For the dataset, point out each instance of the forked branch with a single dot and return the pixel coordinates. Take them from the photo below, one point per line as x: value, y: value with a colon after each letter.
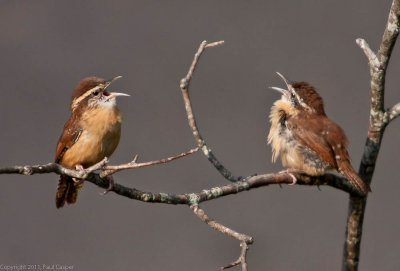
x: 378, y: 120
x: 244, y: 239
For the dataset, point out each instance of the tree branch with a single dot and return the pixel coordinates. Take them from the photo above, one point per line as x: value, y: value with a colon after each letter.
x: 378, y: 121
x: 185, y: 82
x: 243, y: 238
x: 393, y: 112
x: 252, y: 182
x: 54, y: 168
x: 107, y: 170
x: 372, y: 59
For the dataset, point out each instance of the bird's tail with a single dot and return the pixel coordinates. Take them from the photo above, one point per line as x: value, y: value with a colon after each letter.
x: 347, y: 170
x: 67, y: 191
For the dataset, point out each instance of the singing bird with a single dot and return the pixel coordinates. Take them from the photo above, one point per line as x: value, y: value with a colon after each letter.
x: 305, y: 138
x: 91, y: 133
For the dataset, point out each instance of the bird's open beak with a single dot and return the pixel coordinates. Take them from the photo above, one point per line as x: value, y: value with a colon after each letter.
x: 114, y: 94
x: 285, y: 92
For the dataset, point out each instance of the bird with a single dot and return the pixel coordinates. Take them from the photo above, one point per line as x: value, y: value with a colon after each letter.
x: 305, y: 138
x: 91, y: 133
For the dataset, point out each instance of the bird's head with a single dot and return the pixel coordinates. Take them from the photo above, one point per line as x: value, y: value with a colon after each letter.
x: 301, y: 96
x: 92, y: 92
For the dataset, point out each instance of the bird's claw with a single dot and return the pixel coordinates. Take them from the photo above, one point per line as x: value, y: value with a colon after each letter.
x: 110, y: 185
x: 77, y: 167
x: 289, y: 172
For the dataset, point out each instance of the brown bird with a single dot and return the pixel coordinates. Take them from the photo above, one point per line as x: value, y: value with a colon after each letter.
x: 305, y: 138
x: 91, y: 133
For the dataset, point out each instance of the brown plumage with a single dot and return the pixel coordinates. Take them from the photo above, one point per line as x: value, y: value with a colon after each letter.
x: 305, y: 138
x: 91, y: 133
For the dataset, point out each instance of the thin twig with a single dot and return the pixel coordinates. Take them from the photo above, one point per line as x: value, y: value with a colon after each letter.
x: 378, y: 121
x: 184, y: 85
x: 53, y: 168
x: 244, y: 239
x: 241, y: 259
x: 107, y: 170
x: 372, y: 59
x: 393, y: 112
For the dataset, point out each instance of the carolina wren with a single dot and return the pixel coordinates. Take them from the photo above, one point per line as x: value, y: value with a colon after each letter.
x: 91, y: 133
x: 306, y: 139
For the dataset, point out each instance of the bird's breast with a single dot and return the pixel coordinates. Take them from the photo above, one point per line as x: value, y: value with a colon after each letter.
x: 101, y: 131
x: 283, y: 141
x: 280, y: 137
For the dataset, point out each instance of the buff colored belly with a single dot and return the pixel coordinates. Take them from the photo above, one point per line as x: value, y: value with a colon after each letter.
x: 100, y: 137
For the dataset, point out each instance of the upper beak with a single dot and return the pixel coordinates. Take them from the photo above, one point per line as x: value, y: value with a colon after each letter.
x: 115, y: 94
x: 284, y: 79
x: 285, y: 92
x: 108, y: 82
x: 281, y: 90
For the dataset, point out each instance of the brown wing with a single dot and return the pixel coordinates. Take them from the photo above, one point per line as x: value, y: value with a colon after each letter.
x: 328, y: 140
x: 67, y: 190
x: 321, y: 135
x: 70, y: 135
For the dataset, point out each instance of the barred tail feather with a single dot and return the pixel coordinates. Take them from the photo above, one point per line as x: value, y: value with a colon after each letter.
x: 347, y: 170
x: 72, y: 194
x: 67, y: 191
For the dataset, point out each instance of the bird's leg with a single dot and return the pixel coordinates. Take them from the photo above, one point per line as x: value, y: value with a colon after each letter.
x: 290, y: 172
x: 110, y: 179
x: 78, y: 167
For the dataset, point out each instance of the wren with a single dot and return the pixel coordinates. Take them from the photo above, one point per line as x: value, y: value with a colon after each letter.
x: 92, y: 132
x: 305, y: 138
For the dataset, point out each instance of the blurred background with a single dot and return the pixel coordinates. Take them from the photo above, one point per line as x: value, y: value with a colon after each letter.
x: 48, y: 46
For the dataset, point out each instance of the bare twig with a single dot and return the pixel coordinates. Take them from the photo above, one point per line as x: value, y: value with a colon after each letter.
x: 241, y: 259
x: 244, y: 239
x: 53, y: 168
x: 379, y: 118
x: 393, y: 112
x: 372, y: 59
x: 185, y: 82
x: 107, y: 170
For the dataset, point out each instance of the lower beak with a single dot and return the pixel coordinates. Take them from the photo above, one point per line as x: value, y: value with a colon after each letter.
x: 115, y: 94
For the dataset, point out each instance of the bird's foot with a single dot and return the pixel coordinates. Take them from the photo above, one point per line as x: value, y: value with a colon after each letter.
x: 290, y: 172
x: 78, y: 167
x: 110, y: 184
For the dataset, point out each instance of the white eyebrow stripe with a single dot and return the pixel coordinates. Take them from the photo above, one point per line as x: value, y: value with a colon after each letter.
x: 76, y: 101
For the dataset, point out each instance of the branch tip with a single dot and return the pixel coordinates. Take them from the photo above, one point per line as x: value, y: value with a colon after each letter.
x: 372, y: 59
x: 216, y: 43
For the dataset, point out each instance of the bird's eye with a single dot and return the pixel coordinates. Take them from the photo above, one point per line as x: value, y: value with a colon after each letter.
x: 95, y: 93
x: 292, y: 95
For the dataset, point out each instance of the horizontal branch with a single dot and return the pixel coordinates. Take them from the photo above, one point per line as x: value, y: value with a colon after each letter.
x: 84, y: 173
x: 248, y: 183
x: 53, y: 168
x: 107, y: 170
